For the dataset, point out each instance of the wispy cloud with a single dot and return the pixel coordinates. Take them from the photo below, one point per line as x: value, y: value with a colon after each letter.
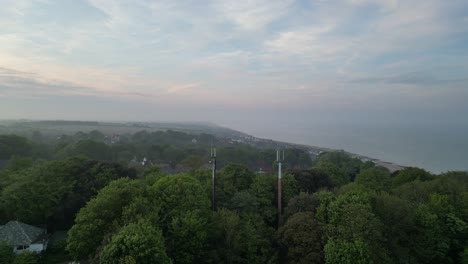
x: 19, y: 83
x: 412, y: 78
x: 260, y: 53
x: 183, y: 88
x: 254, y: 15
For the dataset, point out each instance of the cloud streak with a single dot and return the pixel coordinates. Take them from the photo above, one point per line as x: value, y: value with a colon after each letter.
x: 257, y: 54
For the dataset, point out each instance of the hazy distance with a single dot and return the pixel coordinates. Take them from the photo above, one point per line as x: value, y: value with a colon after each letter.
x: 345, y: 74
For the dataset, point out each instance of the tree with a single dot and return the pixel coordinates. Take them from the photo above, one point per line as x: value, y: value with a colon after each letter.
x: 399, y: 228
x: 324, y: 199
x: 442, y: 235
x: 374, y: 179
x: 14, y: 165
x: 241, y: 240
x: 227, y: 238
x: 91, y: 149
x: 352, y: 224
x: 96, y: 136
x: 53, y: 192
x: 35, y: 193
x: 136, y: 242
x: 186, y: 237
x: 302, y: 235
x: 338, y: 251
x: 14, y: 145
x: 303, y: 202
x: 257, y: 240
x: 346, y: 164
x: 193, y: 162
x: 26, y: 257
x: 263, y: 188
x: 337, y: 175
x: 312, y: 180
x: 410, y: 174
x: 289, y: 189
x: 6, y: 253
x: 177, y: 194
x: 17, y: 163
x: 243, y: 202
x: 231, y: 179
x: 101, y: 216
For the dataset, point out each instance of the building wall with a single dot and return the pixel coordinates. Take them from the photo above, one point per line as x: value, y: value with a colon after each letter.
x: 33, y: 248
x: 37, y: 247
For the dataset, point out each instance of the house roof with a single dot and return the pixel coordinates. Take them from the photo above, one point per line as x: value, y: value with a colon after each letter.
x: 17, y: 233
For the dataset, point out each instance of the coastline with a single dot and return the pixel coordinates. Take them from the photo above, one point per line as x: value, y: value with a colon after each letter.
x: 315, y: 151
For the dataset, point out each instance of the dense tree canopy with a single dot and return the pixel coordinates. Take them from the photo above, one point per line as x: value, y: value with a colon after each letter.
x: 140, y: 242
x: 302, y: 235
x: 337, y: 210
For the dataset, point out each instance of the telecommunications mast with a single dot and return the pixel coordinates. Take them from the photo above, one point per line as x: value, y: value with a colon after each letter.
x: 279, y: 159
x: 213, y: 178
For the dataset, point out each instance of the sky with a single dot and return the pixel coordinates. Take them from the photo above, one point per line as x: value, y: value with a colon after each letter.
x: 236, y: 63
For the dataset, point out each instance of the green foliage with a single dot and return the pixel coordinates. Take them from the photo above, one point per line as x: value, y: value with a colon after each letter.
x: 397, y: 216
x: 11, y: 145
x: 289, y: 188
x: 347, y: 212
x: 297, y: 158
x: 367, y: 165
x: 351, y: 219
x: 228, y: 238
x: 55, y: 253
x: 26, y: 257
x: 337, y: 175
x: 193, y: 162
x: 53, y: 192
x: 152, y: 174
x: 410, y: 174
x: 348, y: 167
x: 14, y: 165
x: 302, y: 235
x: 35, y: 193
x: 243, y: 202
x: 303, y: 202
x: 324, y: 199
x: 257, y: 240
x: 242, y: 240
x: 374, y: 179
x: 204, y: 177
x: 17, y: 163
x: 186, y: 237
x: 96, y: 136
x: 177, y: 194
x: 101, y: 216
x: 312, y: 180
x: 87, y: 148
x: 137, y: 242
x: 263, y: 188
x: 338, y: 251
x: 231, y: 179
x: 6, y: 253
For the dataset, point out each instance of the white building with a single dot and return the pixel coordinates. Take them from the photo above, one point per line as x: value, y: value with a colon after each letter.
x: 24, y: 237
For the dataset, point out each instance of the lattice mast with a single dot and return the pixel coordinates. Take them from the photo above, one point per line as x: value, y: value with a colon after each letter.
x: 213, y: 178
x: 279, y: 159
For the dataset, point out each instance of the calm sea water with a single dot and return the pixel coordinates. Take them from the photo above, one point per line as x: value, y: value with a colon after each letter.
x: 436, y: 148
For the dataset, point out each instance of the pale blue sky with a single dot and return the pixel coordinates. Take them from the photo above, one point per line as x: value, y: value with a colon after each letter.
x: 237, y: 63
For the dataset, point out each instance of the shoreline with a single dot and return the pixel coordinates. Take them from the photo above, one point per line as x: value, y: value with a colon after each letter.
x: 314, y: 150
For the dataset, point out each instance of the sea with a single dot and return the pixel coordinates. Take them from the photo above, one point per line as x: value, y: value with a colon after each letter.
x: 436, y: 148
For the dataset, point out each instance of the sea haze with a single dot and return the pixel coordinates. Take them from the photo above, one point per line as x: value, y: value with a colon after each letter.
x: 436, y: 148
